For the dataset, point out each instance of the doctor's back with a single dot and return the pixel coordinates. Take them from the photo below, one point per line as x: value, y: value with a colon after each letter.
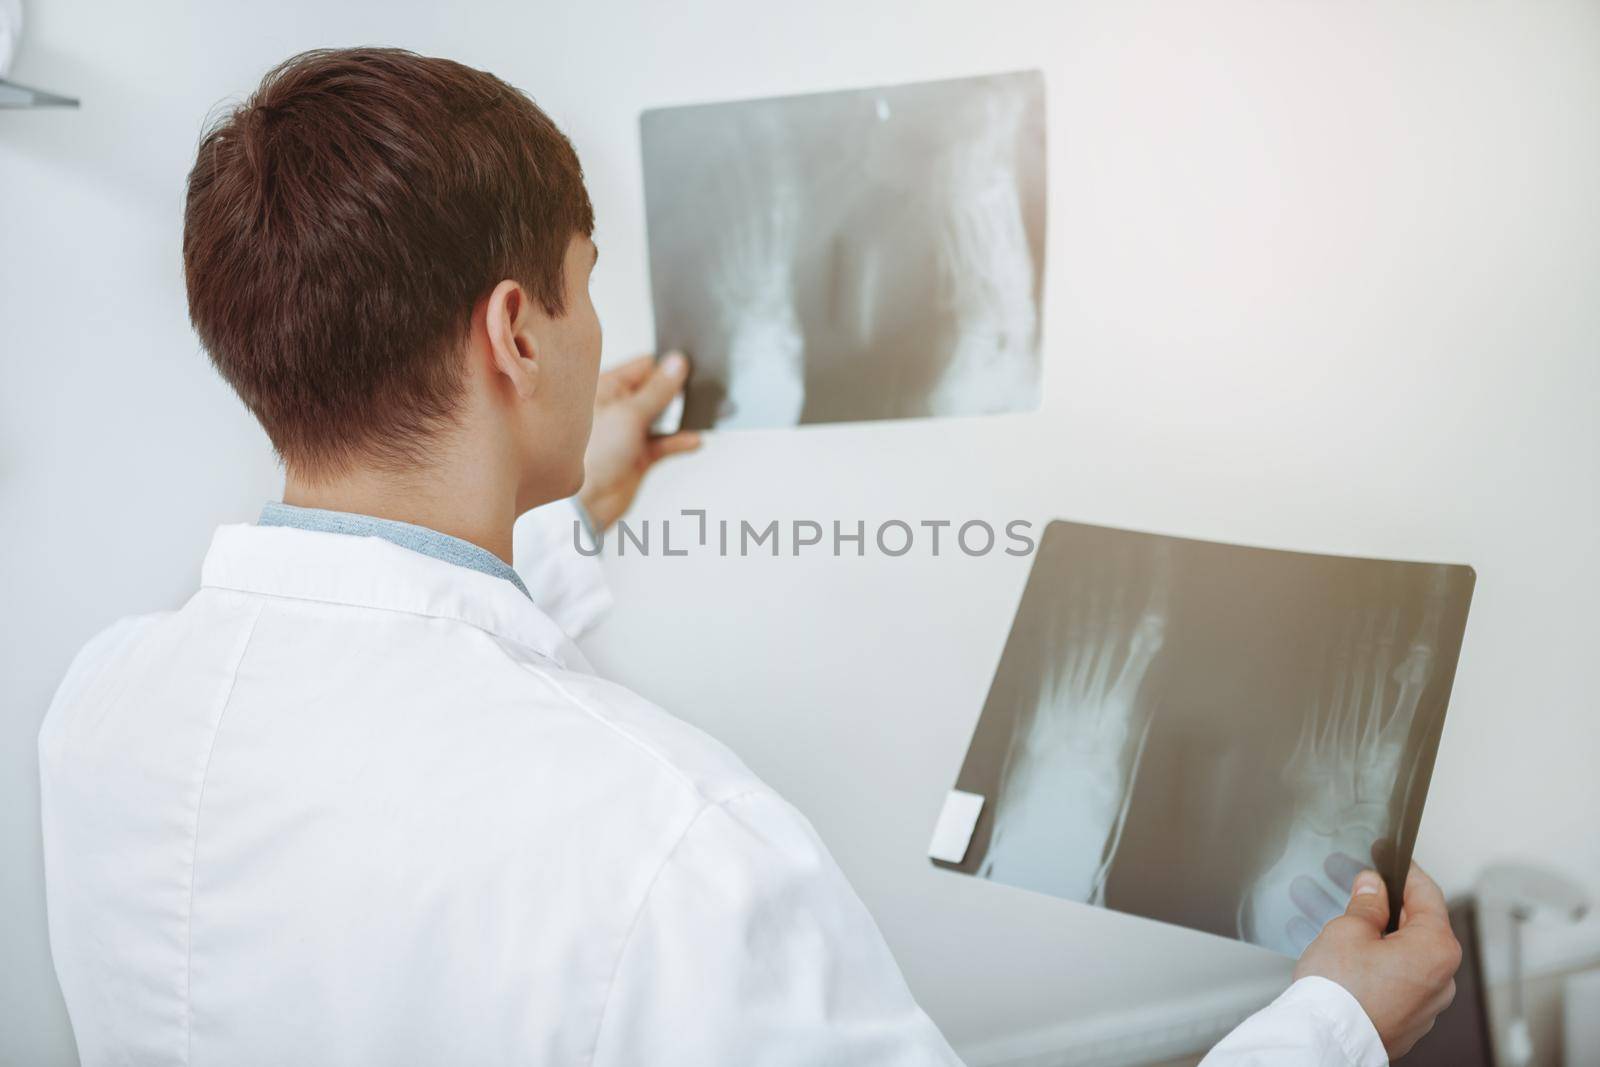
x: 360, y: 800
x: 353, y: 804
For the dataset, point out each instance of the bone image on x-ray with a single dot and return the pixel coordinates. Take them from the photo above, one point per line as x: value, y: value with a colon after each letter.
x: 1064, y: 786
x: 851, y: 255
x: 1208, y: 734
x: 752, y: 285
x: 986, y: 270
x: 1343, y: 771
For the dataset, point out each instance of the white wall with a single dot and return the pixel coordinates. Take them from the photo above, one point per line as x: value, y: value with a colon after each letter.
x: 1321, y: 276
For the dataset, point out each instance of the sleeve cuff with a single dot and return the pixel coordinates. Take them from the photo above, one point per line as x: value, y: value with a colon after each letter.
x: 1346, y: 1022
x: 563, y: 575
x: 587, y: 520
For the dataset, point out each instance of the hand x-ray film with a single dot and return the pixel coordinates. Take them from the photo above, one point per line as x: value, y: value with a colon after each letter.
x: 1210, y: 735
x: 866, y: 254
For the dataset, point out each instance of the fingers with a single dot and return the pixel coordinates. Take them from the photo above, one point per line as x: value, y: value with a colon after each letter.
x: 662, y: 385
x: 661, y: 447
x: 630, y: 375
x: 1424, y: 900
x: 1301, y: 933
x: 1313, y: 901
x: 1368, y: 901
x: 1444, y: 998
x: 1343, y: 869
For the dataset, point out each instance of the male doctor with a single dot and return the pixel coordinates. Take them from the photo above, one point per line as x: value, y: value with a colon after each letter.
x: 360, y: 800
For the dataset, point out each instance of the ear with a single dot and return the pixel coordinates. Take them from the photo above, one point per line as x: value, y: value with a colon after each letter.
x: 510, y: 315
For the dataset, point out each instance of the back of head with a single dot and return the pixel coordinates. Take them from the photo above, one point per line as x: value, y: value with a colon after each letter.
x: 339, y: 227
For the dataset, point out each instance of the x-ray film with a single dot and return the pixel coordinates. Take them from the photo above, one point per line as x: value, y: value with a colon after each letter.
x: 1206, y: 734
x: 866, y: 254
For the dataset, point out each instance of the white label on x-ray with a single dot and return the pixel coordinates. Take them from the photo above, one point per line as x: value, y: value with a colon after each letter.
x: 956, y: 823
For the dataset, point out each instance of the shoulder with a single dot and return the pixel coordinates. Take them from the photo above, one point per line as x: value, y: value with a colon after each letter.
x: 117, y: 636
x: 109, y: 646
x: 631, y: 728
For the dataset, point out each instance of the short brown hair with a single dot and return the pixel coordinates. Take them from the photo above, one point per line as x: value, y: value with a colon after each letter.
x: 341, y: 224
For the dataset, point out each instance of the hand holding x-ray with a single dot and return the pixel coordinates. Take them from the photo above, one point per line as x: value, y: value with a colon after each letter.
x: 1342, y: 775
x: 1402, y: 981
x: 628, y: 398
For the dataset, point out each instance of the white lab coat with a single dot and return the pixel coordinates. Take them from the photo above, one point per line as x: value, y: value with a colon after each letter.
x: 352, y: 804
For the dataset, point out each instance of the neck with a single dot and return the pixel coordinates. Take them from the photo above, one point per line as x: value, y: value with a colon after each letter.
x: 474, y: 502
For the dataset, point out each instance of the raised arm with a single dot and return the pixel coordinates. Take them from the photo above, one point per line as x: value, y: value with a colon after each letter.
x: 552, y: 544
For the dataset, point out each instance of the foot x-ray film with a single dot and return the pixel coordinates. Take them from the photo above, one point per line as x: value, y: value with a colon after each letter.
x: 866, y: 254
x: 1209, y: 735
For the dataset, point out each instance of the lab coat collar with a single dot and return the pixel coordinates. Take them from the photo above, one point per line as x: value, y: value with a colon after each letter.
x: 405, y: 534
x: 371, y: 572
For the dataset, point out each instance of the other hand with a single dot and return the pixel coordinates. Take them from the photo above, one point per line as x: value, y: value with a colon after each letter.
x: 1402, y: 981
x: 627, y: 400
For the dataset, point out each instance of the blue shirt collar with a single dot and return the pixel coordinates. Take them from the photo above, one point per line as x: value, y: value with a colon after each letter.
x: 405, y: 534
